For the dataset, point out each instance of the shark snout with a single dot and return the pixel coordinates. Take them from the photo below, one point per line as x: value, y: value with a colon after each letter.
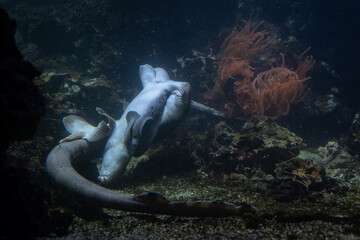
x: 104, y: 177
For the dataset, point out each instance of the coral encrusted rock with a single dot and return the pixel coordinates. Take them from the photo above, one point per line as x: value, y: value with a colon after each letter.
x: 261, y: 143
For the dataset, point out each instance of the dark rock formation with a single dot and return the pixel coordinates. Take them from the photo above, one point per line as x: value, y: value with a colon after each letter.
x: 21, y: 103
x: 294, y: 177
x: 261, y: 143
x: 24, y: 210
x: 353, y: 140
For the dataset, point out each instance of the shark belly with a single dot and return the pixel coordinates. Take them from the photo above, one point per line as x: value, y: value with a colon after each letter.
x: 122, y: 144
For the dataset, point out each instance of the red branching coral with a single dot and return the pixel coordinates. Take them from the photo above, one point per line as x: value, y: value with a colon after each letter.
x: 236, y: 52
x: 270, y: 93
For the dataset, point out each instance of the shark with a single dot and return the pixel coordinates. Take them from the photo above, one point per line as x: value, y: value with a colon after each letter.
x: 155, y: 111
x: 160, y: 105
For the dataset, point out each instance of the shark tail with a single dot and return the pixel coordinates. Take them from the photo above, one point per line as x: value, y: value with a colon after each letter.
x: 59, y: 167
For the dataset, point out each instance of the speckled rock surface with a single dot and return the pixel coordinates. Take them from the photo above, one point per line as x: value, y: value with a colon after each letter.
x: 261, y: 143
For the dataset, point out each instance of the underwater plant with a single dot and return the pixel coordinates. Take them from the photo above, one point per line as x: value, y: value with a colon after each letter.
x: 270, y: 93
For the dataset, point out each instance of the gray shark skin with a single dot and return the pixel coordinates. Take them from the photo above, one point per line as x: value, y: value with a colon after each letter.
x: 160, y: 105
x: 162, y: 102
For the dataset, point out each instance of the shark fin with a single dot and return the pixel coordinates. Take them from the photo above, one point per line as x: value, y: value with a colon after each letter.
x: 111, y: 122
x: 143, y: 133
x: 142, y: 127
x: 77, y: 126
x: 73, y: 137
x: 131, y: 118
x: 101, y: 131
x: 161, y: 75
x: 147, y: 74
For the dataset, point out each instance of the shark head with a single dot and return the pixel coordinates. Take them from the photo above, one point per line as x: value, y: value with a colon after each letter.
x: 114, y: 164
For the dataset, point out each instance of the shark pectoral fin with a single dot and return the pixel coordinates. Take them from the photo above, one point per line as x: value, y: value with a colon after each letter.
x: 101, y: 131
x: 75, y: 124
x: 131, y: 118
x: 142, y: 127
x: 80, y: 128
x: 141, y: 134
x: 73, y: 137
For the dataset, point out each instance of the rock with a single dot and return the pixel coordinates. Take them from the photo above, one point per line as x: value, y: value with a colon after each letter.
x: 326, y: 103
x: 261, y: 143
x: 316, y: 158
x: 96, y: 82
x: 25, y: 208
x: 343, y: 160
x: 295, y: 177
x: 353, y: 140
x: 21, y: 103
x: 53, y: 81
x: 329, y: 152
x: 300, y: 170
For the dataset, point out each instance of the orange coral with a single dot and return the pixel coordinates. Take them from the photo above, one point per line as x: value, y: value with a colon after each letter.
x: 271, y: 92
